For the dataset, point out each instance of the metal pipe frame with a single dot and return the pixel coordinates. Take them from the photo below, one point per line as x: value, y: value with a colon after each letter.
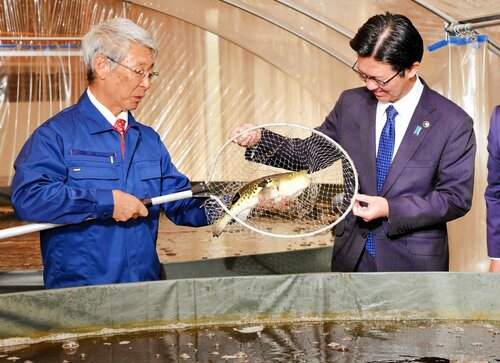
x: 42, y: 38
x: 468, y: 27
x: 492, y: 45
x: 261, y: 15
x: 317, y: 17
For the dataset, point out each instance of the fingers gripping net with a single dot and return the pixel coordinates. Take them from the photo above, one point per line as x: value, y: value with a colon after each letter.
x: 296, y: 182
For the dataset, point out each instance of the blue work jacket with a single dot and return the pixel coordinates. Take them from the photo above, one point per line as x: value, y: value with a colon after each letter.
x: 65, y: 174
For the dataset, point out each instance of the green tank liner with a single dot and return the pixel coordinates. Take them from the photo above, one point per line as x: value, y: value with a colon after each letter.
x: 277, y: 263
x: 33, y: 316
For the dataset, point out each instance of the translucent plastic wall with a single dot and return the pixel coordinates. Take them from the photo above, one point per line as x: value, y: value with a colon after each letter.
x: 41, y: 69
x: 225, y: 62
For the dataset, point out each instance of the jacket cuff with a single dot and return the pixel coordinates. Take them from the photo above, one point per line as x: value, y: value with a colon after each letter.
x: 105, y: 204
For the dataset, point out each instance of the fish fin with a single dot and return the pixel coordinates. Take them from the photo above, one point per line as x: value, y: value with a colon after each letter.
x: 220, y: 224
x: 236, y: 197
x: 244, y: 214
x: 226, y: 220
x: 263, y: 183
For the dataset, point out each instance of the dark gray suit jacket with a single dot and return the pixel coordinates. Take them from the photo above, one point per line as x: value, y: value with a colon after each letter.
x: 430, y: 181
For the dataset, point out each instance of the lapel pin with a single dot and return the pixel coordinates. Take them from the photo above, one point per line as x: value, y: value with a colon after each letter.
x: 426, y: 124
x: 417, y: 130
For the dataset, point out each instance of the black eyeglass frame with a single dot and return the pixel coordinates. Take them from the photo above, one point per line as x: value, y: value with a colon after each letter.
x: 365, y: 77
x: 143, y: 74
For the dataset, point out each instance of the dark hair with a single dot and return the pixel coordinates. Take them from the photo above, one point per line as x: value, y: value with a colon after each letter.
x: 389, y: 38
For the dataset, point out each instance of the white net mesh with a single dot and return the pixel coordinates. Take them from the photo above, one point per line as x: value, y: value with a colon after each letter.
x: 295, y: 182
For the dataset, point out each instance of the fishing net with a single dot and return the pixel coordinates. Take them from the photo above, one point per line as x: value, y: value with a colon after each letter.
x: 247, y: 192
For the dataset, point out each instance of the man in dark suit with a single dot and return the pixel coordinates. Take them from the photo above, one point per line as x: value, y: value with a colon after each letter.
x: 427, y: 150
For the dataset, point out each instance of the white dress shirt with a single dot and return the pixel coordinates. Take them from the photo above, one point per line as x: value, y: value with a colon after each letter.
x: 405, y: 107
x: 108, y: 115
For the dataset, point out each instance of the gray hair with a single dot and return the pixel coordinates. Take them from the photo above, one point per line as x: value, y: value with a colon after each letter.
x: 113, y: 38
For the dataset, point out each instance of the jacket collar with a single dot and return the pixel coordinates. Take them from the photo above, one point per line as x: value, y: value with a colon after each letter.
x: 94, y: 119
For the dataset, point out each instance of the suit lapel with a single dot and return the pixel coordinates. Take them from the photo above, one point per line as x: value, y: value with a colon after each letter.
x: 367, y: 121
x: 420, y: 125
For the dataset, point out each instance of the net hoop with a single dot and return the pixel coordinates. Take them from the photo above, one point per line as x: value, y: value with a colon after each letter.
x: 346, y: 157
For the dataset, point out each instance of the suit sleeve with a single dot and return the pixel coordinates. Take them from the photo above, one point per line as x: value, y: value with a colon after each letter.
x: 452, y: 183
x: 492, y: 194
x: 312, y: 153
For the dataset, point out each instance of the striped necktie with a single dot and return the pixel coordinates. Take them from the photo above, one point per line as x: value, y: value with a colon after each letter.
x: 384, y: 160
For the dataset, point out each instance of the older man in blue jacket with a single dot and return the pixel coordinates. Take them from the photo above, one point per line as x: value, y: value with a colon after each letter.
x: 94, y: 160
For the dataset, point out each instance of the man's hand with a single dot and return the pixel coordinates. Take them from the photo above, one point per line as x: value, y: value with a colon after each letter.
x: 494, y: 265
x: 274, y: 203
x: 370, y: 208
x: 127, y: 207
x: 249, y: 138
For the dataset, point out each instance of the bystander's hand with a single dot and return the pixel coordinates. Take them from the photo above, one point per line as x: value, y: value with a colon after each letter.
x: 249, y: 138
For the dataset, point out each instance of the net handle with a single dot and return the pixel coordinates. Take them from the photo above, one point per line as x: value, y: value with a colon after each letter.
x: 197, y: 190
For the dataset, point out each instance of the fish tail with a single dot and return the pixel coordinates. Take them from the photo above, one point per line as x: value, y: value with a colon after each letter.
x: 220, y: 224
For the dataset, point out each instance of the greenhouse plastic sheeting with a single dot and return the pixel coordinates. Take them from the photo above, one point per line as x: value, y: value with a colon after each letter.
x: 230, y: 300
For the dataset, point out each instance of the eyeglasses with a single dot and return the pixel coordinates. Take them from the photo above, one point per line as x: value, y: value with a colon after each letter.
x: 365, y: 77
x: 140, y: 74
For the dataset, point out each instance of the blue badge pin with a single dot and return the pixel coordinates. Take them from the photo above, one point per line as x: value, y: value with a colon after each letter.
x: 417, y: 130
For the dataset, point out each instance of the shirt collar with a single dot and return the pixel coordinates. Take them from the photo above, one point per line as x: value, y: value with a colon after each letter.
x: 406, y: 105
x: 108, y: 115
